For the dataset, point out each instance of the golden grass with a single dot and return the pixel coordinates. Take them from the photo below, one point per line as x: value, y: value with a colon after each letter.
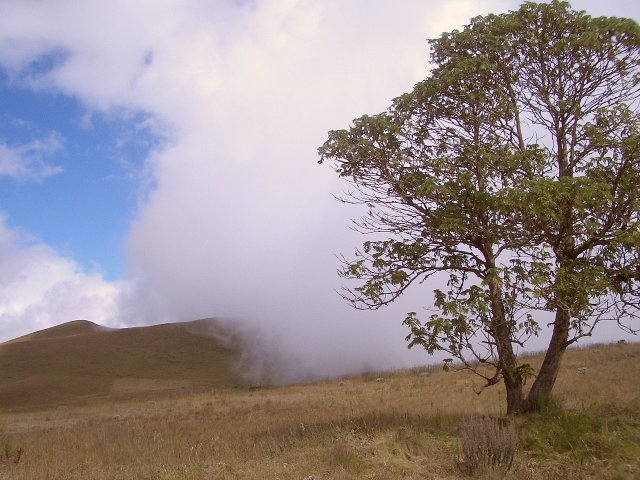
x: 403, y: 427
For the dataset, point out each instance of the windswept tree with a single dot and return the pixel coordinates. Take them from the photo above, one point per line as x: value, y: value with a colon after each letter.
x: 512, y: 175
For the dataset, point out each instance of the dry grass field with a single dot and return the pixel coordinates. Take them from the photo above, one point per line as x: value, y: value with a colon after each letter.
x: 406, y: 425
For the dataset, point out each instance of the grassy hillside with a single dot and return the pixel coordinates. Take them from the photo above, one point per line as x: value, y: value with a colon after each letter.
x: 80, y: 360
x: 407, y: 425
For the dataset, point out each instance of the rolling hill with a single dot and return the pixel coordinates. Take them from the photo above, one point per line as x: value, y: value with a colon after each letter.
x: 80, y: 360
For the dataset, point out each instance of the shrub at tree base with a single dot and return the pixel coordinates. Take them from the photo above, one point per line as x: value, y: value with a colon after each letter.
x: 486, y: 444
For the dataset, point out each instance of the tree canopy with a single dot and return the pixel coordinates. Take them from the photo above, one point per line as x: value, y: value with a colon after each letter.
x: 511, y: 173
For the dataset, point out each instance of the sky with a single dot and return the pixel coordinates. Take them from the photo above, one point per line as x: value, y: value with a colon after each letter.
x: 158, y: 163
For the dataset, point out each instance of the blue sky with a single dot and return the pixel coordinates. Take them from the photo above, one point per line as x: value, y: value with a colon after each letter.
x: 83, y: 184
x: 158, y: 160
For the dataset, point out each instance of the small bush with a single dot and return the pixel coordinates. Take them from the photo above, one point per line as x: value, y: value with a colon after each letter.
x: 487, y: 444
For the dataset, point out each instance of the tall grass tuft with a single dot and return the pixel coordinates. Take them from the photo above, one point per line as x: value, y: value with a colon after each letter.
x: 487, y: 444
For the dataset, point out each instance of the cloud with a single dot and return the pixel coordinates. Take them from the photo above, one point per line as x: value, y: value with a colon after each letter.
x: 239, y: 221
x: 242, y: 224
x: 39, y: 288
x: 28, y: 161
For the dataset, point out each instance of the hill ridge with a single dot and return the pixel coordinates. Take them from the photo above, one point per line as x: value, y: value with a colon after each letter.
x: 73, y: 327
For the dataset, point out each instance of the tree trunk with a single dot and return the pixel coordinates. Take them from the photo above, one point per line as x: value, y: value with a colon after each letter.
x: 508, y: 361
x: 540, y: 392
x: 515, y: 395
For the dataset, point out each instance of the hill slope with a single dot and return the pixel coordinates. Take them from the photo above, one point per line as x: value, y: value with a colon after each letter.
x: 79, y: 360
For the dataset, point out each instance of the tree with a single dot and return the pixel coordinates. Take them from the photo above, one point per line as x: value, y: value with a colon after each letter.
x: 511, y: 173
